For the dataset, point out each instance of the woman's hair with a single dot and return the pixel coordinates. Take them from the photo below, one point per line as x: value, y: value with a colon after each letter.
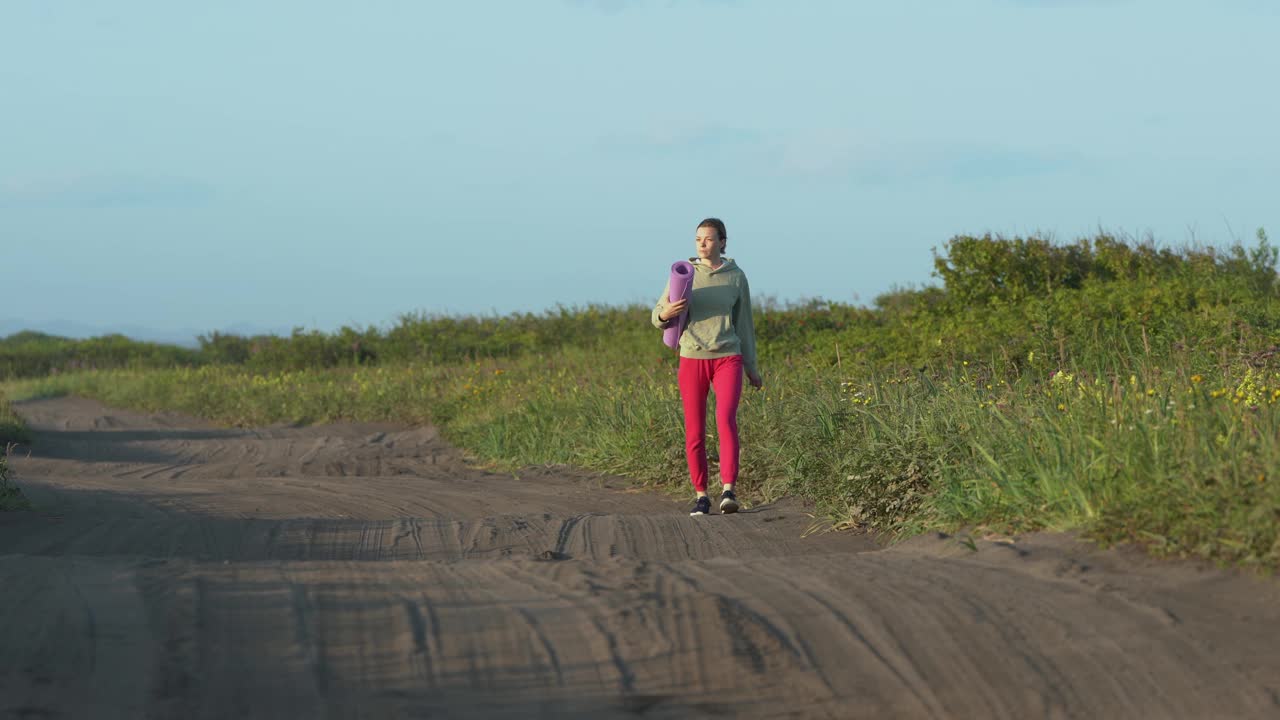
x: 718, y: 225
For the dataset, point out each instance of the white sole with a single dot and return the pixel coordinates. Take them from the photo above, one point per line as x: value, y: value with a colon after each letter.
x: 728, y: 507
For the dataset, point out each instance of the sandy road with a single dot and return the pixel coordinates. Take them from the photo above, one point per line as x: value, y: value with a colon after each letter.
x: 174, y: 569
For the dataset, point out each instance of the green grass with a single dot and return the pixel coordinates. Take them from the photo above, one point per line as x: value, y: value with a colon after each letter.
x: 1181, y: 463
x: 11, y: 498
x: 1122, y: 390
x: 12, y: 430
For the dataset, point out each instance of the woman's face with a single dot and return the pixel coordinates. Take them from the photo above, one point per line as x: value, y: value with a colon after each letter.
x: 707, y: 242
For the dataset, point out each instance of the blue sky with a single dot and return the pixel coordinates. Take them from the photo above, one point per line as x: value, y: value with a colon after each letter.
x: 184, y: 166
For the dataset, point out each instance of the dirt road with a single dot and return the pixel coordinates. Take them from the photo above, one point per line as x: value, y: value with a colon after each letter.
x: 177, y: 570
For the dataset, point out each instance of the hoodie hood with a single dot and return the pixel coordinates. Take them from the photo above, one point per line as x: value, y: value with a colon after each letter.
x: 700, y: 265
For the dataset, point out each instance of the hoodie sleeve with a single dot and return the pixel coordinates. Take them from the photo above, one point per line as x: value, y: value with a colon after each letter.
x: 745, y: 327
x: 657, y: 308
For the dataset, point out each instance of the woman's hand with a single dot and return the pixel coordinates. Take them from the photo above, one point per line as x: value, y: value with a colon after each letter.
x: 673, y: 310
x: 754, y: 379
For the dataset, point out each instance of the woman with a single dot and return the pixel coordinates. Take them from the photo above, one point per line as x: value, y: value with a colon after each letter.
x: 717, y: 346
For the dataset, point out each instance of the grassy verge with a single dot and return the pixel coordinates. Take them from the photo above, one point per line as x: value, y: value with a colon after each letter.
x: 1181, y: 462
x: 12, y: 430
x: 1123, y: 389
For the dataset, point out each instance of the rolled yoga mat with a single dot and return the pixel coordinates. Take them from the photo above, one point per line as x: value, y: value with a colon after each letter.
x: 680, y: 286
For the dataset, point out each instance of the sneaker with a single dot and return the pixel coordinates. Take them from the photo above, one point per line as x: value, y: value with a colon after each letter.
x: 702, y: 507
x: 728, y: 502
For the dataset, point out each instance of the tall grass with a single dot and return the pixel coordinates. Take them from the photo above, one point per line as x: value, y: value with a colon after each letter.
x: 12, y: 430
x: 34, y: 354
x: 11, y: 498
x: 1125, y: 390
x: 415, y: 338
x: 1179, y: 461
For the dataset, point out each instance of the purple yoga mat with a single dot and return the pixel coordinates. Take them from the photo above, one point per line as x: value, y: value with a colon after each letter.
x: 681, y: 283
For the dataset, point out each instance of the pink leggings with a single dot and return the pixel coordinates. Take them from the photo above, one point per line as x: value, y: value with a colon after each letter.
x: 695, y: 377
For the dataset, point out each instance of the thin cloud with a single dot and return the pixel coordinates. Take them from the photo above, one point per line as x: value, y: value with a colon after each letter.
x: 682, y: 138
x: 104, y: 191
x: 838, y: 155
x: 616, y: 6
x: 605, y: 6
x: 1068, y: 3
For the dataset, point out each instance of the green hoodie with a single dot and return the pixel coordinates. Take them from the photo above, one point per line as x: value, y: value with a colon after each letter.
x: 720, y: 322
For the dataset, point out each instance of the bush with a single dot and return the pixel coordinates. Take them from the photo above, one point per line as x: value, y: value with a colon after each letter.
x: 12, y: 430
x: 33, y: 354
x: 1125, y: 389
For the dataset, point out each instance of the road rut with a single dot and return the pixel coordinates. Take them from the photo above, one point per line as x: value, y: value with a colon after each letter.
x: 173, y: 569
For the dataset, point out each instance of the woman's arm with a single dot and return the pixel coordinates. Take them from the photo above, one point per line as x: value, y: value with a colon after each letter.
x: 655, y: 317
x: 744, y: 326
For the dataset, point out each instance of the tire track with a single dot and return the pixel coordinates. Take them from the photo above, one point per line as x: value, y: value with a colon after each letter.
x: 363, y: 570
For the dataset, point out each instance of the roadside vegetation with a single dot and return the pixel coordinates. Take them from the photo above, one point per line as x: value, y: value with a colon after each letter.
x: 12, y: 430
x: 1119, y: 388
x: 11, y: 498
